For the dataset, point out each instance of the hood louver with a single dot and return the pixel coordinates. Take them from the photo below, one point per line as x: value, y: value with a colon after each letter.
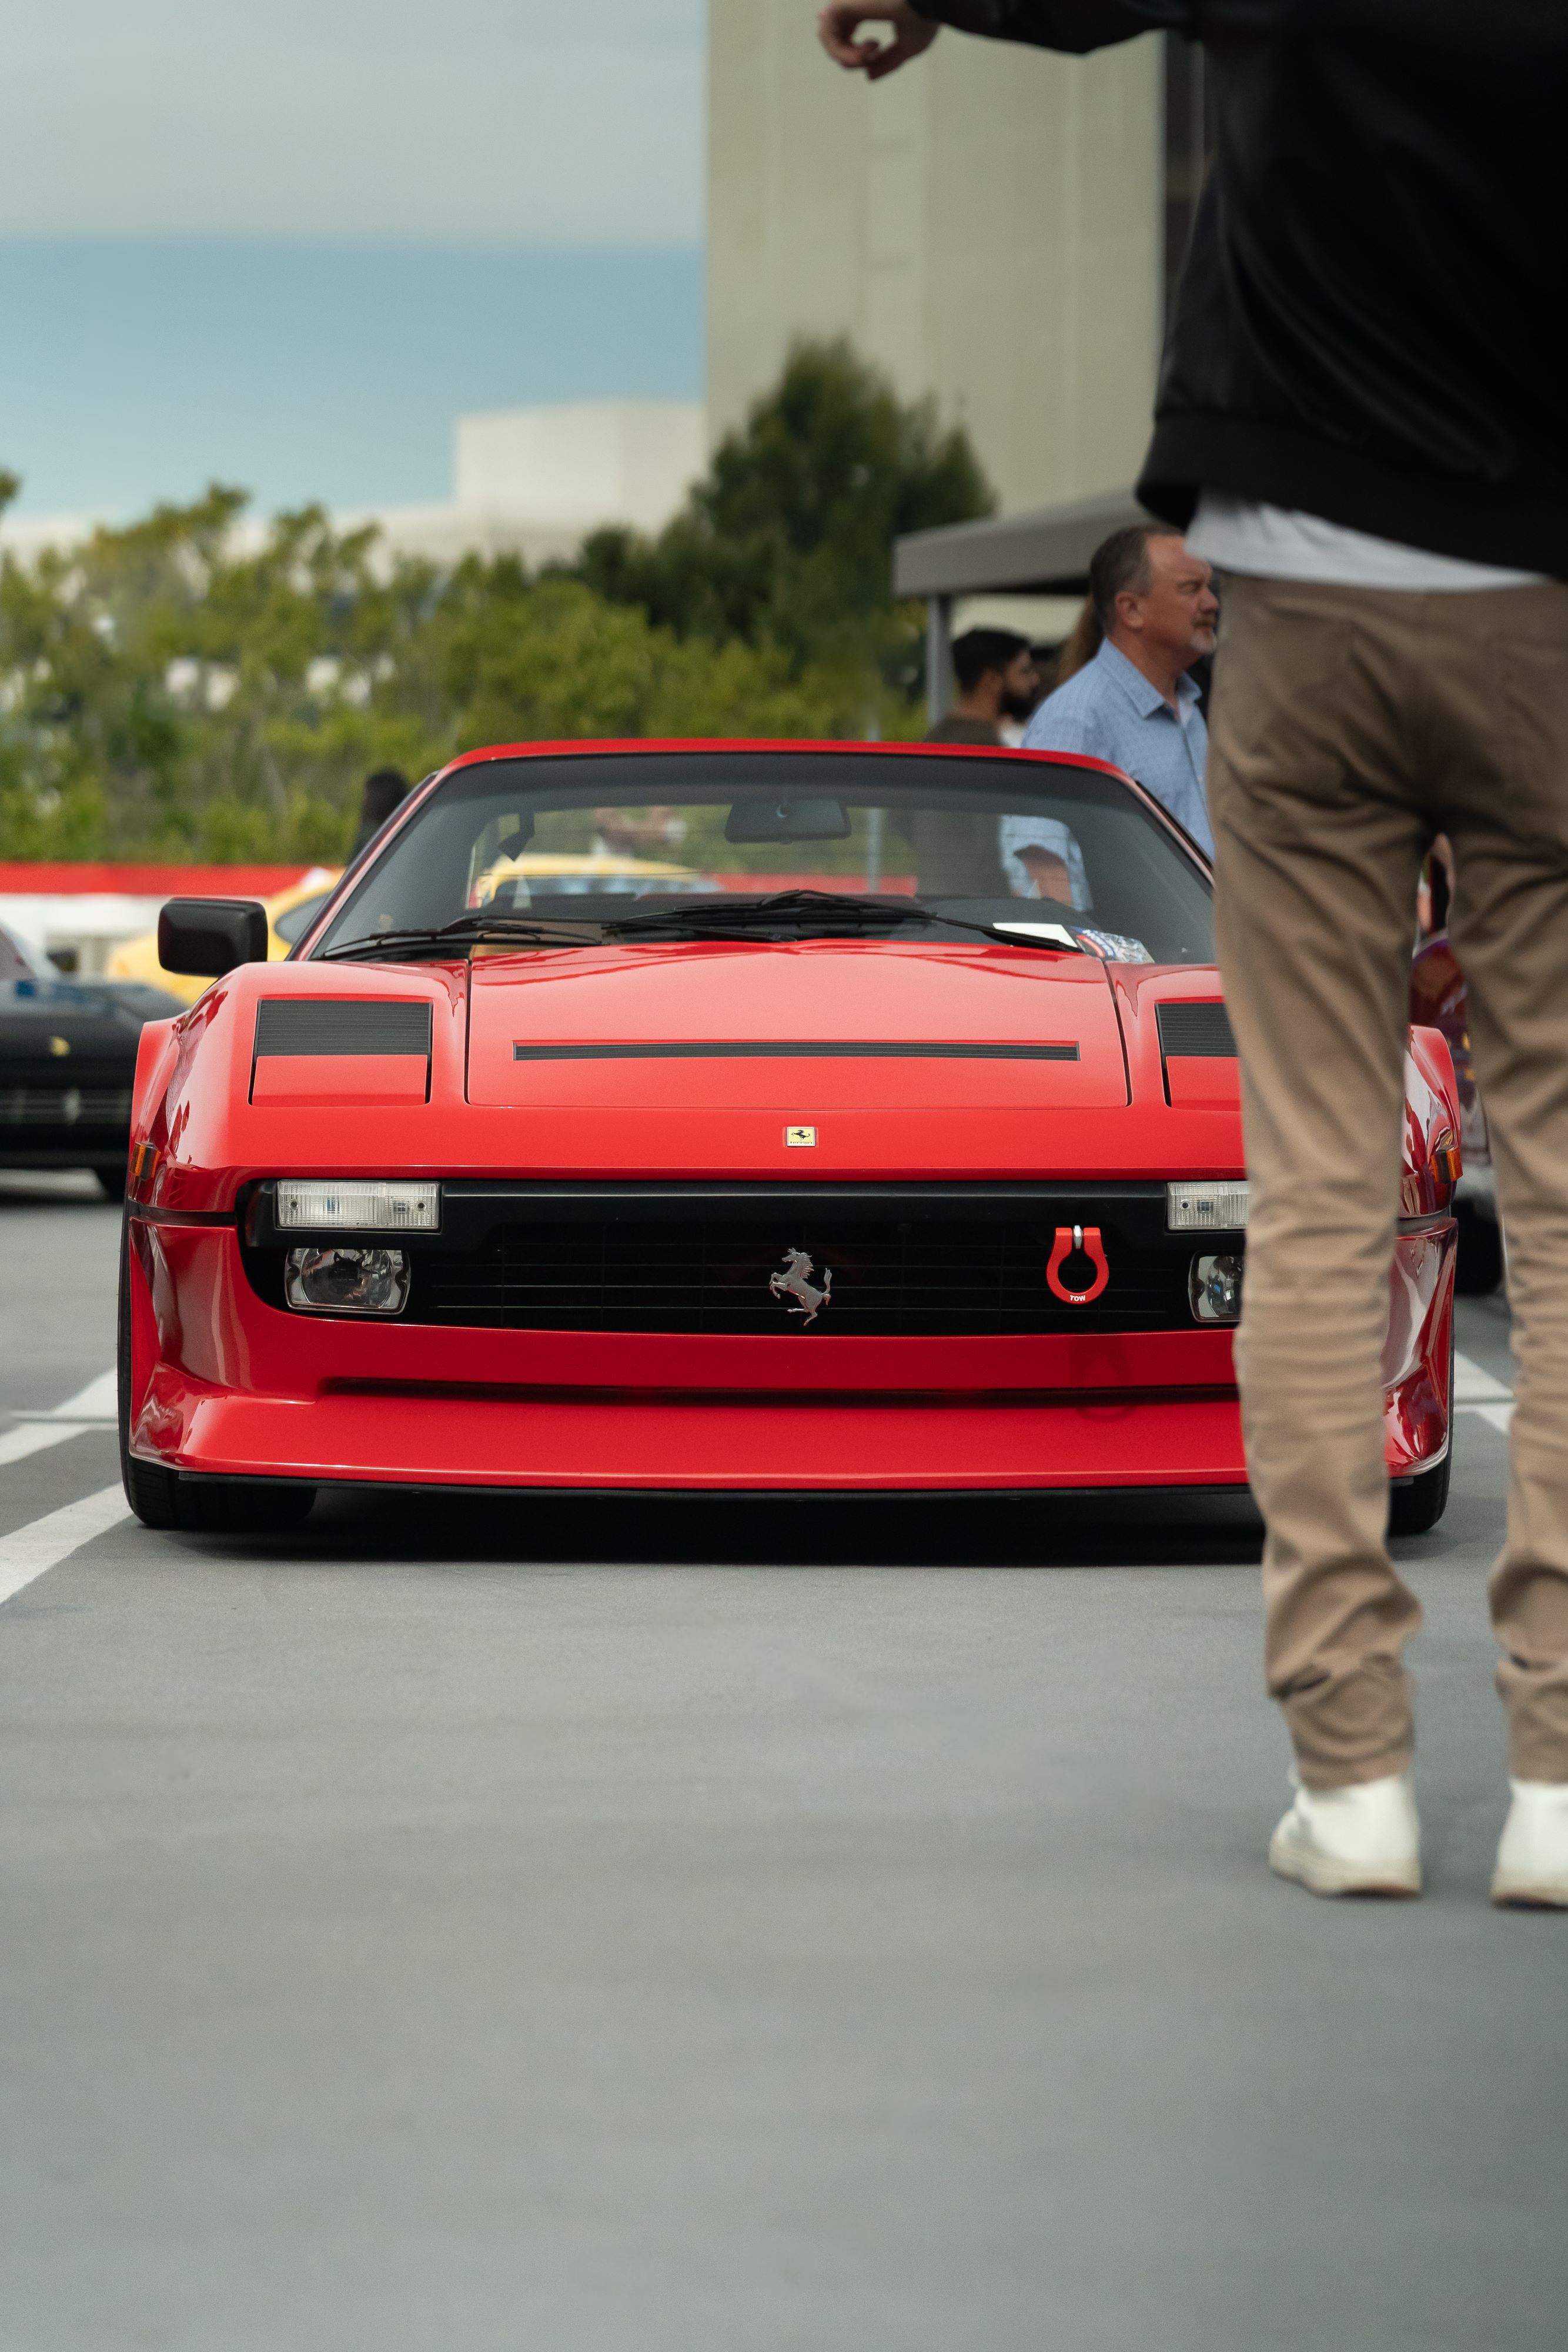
x: 317, y: 1025
x: 1195, y: 1032
x: 317, y: 1053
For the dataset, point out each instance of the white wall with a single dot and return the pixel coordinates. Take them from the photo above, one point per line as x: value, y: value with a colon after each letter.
x: 985, y: 224
x: 590, y: 461
x: 529, y: 481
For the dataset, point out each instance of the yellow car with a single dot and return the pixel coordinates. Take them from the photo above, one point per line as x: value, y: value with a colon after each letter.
x: 289, y: 916
x: 510, y: 881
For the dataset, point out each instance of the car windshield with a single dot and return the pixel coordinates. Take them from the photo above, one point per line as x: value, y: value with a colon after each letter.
x: 596, y: 837
x: 295, y: 922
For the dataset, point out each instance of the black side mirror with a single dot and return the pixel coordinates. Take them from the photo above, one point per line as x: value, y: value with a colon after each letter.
x: 207, y: 937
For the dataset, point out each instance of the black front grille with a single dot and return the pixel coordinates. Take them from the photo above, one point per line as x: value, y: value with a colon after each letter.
x: 712, y: 1274
x: 65, y: 1107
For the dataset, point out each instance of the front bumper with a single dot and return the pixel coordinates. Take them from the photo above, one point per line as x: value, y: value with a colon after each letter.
x: 224, y: 1385
x: 601, y: 1445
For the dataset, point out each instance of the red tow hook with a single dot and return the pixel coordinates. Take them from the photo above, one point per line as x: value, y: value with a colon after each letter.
x: 1069, y: 1240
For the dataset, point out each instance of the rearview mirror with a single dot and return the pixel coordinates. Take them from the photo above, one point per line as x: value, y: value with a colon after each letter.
x: 207, y: 937
x: 771, y: 819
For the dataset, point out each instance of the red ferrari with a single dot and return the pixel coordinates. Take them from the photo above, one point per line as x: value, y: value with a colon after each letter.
x: 770, y: 1119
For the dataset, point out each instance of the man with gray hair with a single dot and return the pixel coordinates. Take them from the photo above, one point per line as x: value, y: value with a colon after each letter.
x: 1134, y: 704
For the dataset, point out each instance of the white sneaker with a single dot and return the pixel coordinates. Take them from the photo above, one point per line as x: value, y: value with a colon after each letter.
x: 1363, y: 1840
x: 1532, y: 1856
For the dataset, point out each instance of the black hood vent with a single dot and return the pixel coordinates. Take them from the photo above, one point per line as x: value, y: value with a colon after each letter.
x: 1196, y: 1032
x: 337, y: 1025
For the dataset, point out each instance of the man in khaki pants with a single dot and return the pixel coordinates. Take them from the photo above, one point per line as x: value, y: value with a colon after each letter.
x: 1362, y: 422
x: 1354, y: 723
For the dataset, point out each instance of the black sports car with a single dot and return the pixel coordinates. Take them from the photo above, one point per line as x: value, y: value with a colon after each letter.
x: 68, y: 1056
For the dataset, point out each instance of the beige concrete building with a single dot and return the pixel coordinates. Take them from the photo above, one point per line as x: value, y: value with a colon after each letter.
x: 989, y: 224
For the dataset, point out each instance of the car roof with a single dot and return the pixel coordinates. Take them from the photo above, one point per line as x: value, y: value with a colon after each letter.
x: 835, y: 747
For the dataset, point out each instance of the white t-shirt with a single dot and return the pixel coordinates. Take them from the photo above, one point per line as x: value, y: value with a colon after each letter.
x: 1282, y: 543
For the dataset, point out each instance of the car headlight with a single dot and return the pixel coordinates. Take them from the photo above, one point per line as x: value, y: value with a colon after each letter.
x: 1213, y: 1288
x: 365, y: 1206
x: 1215, y: 1208
x: 339, y: 1281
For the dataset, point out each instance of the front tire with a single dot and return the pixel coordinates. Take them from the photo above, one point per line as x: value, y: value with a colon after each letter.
x: 1414, y: 1509
x: 1417, y: 1507
x: 149, y: 1487
x: 1478, y: 1260
x: 161, y: 1497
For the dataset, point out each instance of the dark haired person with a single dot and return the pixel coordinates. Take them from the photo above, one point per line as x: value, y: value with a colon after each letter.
x: 1363, y: 418
x: 382, y: 794
x: 1133, y: 702
x: 996, y: 679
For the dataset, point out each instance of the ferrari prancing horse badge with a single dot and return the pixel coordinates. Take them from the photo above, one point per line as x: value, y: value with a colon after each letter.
x: 793, y: 1281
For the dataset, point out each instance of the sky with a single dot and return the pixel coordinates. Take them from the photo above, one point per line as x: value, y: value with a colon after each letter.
x: 284, y: 243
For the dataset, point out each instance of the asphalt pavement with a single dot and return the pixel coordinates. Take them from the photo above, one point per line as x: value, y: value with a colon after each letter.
x: 673, y: 1928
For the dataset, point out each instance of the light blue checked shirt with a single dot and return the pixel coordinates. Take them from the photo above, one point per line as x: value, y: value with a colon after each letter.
x: 1110, y: 712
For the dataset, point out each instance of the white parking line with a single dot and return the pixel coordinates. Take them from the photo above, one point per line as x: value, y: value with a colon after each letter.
x: 43, y: 1544
x: 17, y: 1444
x: 1476, y: 1392
x: 97, y: 1402
x: 1471, y: 1384
x: 90, y: 1408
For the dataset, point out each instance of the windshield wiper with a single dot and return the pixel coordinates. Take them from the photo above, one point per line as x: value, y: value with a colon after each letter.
x: 831, y: 910
x: 784, y: 905
x: 827, y: 910
x: 470, y: 930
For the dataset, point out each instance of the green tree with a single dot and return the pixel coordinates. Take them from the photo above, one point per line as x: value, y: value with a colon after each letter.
x: 193, y: 685
x: 197, y: 684
x: 189, y: 686
x: 789, y: 537
x: 549, y: 660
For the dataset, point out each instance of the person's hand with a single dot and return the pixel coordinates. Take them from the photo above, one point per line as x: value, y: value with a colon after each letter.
x: 1047, y: 873
x: 839, y: 22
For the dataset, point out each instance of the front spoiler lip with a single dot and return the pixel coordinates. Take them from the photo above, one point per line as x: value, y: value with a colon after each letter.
x: 714, y: 1494
x: 722, y: 1494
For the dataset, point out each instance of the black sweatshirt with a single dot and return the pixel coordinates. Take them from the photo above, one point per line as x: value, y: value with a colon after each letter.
x: 1367, y: 320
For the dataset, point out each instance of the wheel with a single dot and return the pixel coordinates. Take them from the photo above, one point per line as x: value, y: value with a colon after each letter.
x: 161, y: 1497
x: 149, y: 1487
x: 111, y: 1181
x: 1478, y: 1268
x: 149, y: 1490
x: 1414, y: 1509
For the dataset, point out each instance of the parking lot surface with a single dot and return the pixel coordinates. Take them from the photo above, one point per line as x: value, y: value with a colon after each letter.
x: 648, y: 1927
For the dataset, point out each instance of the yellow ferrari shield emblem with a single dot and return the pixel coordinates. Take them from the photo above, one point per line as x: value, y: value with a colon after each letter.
x: 60, y: 1046
x: 799, y: 1135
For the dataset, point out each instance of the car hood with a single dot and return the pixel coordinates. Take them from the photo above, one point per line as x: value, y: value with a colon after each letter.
x: 812, y: 1026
